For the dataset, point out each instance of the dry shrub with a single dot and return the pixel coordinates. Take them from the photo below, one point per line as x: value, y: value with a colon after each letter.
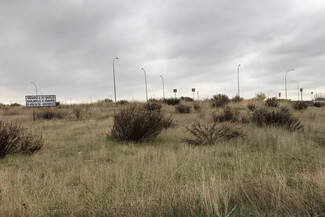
x: 300, y: 106
x: 279, y: 118
x: 213, y: 133
x: 13, y: 139
x: 183, y: 109
x: 171, y: 101
x: 226, y: 115
x: 197, y: 107
x: 272, y: 102
x: 219, y: 100
x: 260, y: 96
x: 135, y: 123
x: 319, y: 104
x: 11, y: 111
x: 168, y: 122
x: 49, y: 113
x: 237, y: 99
x: 187, y: 99
x: 251, y: 107
x: 152, y: 106
x: 122, y: 102
x: 78, y: 111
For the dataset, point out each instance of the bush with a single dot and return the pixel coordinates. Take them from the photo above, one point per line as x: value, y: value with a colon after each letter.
x: 77, y: 112
x: 15, y: 105
x: 279, y: 118
x: 260, y: 96
x: 187, y: 99
x: 14, y: 140
x: 197, y: 107
x: 211, y: 134
x: 219, y: 100
x: 272, y: 102
x: 48, y: 114
x: 122, y: 102
x: 167, y: 122
x: 300, y: 106
x: 171, y: 101
x: 135, y: 123
x: 151, y: 106
x: 318, y: 104
x: 227, y: 115
x: 183, y: 109
x: 237, y: 99
x: 251, y: 107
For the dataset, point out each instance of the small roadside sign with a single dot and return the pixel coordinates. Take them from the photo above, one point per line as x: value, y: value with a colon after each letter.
x: 40, y: 101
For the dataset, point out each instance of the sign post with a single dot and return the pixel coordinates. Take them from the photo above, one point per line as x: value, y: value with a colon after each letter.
x: 34, y: 101
x: 193, y: 90
x: 175, y: 91
x: 301, y: 89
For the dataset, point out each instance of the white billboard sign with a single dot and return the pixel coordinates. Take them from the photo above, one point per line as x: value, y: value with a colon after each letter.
x: 40, y: 100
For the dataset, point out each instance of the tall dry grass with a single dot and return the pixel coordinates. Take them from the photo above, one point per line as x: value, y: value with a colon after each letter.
x: 270, y: 172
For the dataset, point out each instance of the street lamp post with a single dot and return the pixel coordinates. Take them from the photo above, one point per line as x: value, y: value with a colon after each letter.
x: 238, y: 80
x: 285, y: 81
x: 145, y: 80
x: 35, y: 86
x: 298, y: 87
x: 36, y: 97
x: 162, y: 79
x: 116, y: 58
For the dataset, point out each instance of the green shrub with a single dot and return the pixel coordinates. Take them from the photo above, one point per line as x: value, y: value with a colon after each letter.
x: 280, y: 118
x: 183, y: 109
x: 213, y: 133
x: 135, y: 123
x: 272, y: 102
x: 219, y: 100
x: 171, y: 101
x: 300, y: 106
x: 226, y: 115
x: 14, y: 139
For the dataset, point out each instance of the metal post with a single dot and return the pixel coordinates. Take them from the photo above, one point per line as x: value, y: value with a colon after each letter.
x: 238, y: 80
x: 162, y: 79
x: 145, y: 79
x: 36, y: 97
x: 285, y: 81
x: 116, y: 58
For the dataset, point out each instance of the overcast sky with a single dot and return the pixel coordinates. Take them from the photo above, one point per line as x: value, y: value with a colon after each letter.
x: 67, y: 47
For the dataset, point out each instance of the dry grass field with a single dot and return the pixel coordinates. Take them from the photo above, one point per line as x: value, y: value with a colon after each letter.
x: 80, y: 172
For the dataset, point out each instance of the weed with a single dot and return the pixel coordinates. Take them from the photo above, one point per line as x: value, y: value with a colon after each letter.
x: 251, y: 107
x: 135, y: 123
x: 213, y: 133
x: 13, y: 139
x: 272, y: 102
x: 226, y: 115
x: 171, y: 101
x: 78, y: 112
x: 183, y: 109
x: 152, y: 106
x: 219, y: 100
x: 280, y: 118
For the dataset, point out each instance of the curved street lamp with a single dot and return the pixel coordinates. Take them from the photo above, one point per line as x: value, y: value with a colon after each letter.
x: 145, y: 80
x: 298, y: 87
x: 162, y: 79
x: 35, y: 86
x: 116, y: 58
x: 285, y: 81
